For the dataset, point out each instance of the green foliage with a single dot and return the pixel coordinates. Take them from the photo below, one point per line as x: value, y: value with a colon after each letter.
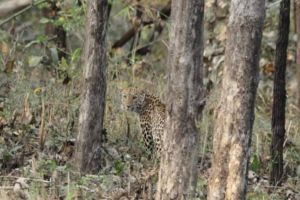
x: 33, y: 61
x: 119, y: 166
x: 256, y: 196
x: 255, y: 164
x: 71, y: 18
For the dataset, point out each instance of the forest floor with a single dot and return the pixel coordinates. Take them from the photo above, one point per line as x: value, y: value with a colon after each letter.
x: 49, y: 173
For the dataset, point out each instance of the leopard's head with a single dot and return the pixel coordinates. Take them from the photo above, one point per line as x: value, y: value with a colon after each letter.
x: 133, y: 99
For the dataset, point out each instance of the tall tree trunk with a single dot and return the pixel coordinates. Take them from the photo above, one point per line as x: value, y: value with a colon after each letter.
x: 185, y: 100
x: 88, y: 149
x: 297, y: 18
x: 279, y: 95
x: 235, y: 112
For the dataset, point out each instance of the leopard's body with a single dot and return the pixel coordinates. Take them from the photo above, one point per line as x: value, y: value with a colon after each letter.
x: 151, y: 112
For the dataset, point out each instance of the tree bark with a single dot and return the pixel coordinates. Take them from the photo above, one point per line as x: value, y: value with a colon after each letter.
x: 185, y: 101
x: 279, y: 95
x: 235, y: 111
x: 88, y: 147
x: 297, y: 19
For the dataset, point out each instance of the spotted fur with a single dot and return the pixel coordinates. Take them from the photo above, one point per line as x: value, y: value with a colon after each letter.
x: 151, y: 112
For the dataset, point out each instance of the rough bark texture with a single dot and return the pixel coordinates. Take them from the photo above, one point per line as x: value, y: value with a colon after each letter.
x: 297, y: 18
x: 235, y: 112
x: 279, y: 95
x: 88, y: 149
x: 185, y: 97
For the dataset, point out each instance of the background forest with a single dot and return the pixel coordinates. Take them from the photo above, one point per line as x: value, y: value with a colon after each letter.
x: 41, y: 74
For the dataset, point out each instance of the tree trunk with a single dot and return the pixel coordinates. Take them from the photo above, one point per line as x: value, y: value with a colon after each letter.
x: 185, y: 101
x: 235, y: 111
x: 279, y: 95
x: 297, y: 18
x: 88, y: 149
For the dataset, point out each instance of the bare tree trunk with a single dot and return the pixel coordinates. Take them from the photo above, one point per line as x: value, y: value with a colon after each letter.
x: 279, y: 95
x: 235, y: 112
x: 88, y: 149
x: 297, y: 18
x: 185, y: 101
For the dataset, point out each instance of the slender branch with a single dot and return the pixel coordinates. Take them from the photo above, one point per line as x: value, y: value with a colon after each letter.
x: 6, y: 188
x: 26, y: 178
x: 21, y: 12
x: 10, y: 6
x: 164, y: 13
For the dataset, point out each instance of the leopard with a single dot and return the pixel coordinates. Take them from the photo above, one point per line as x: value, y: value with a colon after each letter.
x: 151, y: 112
